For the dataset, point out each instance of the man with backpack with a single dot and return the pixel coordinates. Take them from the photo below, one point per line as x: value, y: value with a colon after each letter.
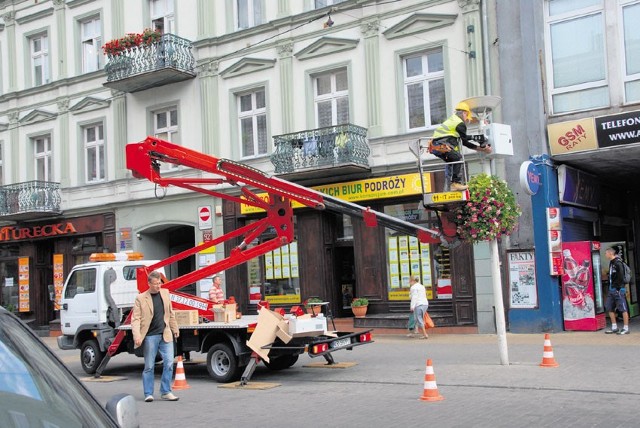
x: 616, y: 299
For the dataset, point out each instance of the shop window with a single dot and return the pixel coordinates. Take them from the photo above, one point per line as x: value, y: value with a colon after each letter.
x: 9, y: 280
x: 81, y: 282
x: 344, y: 229
x: 406, y: 256
x: 425, y: 101
x: 275, y: 277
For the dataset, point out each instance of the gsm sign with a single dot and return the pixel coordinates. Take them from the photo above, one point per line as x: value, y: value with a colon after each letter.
x: 571, y: 138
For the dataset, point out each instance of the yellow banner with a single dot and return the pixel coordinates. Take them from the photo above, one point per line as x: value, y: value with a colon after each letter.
x: 446, y: 197
x: 283, y: 299
x: 23, y: 284
x: 573, y: 136
x: 393, y: 186
x: 399, y: 295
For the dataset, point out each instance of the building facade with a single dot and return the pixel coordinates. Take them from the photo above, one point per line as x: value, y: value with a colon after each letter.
x: 328, y: 94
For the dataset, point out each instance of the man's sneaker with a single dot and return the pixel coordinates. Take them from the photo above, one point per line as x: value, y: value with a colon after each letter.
x: 624, y: 331
x: 148, y: 399
x: 611, y: 331
x: 456, y: 187
x: 169, y: 397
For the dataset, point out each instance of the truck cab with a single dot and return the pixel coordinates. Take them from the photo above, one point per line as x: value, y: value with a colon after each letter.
x: 96, y: 298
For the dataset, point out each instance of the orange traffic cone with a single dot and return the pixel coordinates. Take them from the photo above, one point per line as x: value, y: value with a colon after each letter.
x: 180, y: 381
x: 430, y: 388
x: 547, y: 354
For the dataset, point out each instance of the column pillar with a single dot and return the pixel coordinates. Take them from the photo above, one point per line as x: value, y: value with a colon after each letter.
x: 285, y: 60
x: 206, y: 23
x: 10, y: 26
x: 14, y: 143
x: 370, y: 30
x: 119, y: 111
x: 61, y: 29
x: 473, y: 37
x: 209, y: 101
x: 63, y: 142
x: 117, y: 18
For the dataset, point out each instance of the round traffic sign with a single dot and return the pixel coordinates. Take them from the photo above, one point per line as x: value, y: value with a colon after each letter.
x: 204, y: 213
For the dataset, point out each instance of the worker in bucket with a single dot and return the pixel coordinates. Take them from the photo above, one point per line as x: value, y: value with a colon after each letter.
x: 446, y: 139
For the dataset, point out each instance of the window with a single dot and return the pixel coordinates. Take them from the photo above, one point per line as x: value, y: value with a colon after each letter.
x: 252, y: 116
x: 81, y: 282
x: 94, y: 153
x: 39, y: 46
x: 249, y: 13
x: 631, y: 41
x: 162, y: 15
x: 424, y: 89
x: 331, y: 97
x: 165, y: 127
x: 42, y: 155
x: 91, y: 43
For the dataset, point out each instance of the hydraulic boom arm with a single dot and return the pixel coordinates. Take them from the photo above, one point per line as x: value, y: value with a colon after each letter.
x: 144, y: 160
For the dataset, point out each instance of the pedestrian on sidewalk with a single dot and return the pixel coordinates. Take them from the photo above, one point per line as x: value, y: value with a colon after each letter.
x: 616, y: 299
x: 154, y: 327
x: 419, y: 303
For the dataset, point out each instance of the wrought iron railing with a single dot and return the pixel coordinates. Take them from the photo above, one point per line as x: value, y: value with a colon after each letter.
x: 314, y: 148
x: 30, y: 196
x: 170, y: 51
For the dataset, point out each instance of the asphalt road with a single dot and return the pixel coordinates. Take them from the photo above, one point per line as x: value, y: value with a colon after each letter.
x: 597, y: 384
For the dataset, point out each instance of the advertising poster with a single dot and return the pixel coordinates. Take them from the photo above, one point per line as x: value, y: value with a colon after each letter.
x: 293, y: 259
x: 277, y: 264
x: 23, y: 283
x: 445, y: 291
x: 394, y: 270
x: 523, y: 290
x: 268, y: 265
x: 58, y: 279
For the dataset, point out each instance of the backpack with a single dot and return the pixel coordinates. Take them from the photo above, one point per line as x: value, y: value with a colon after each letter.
x: 626, y: 273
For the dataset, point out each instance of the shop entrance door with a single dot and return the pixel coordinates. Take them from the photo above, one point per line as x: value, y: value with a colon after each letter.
x: 345, y: 278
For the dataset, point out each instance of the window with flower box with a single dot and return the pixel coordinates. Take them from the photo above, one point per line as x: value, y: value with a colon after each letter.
x: 425, y: 100
x: 162, y: 15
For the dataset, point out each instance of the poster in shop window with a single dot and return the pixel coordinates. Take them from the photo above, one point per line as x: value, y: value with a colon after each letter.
x: 23, y: 284
x: 523, y: 290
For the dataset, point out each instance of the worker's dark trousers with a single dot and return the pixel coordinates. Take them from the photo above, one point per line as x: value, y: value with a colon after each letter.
x: 453, y: 156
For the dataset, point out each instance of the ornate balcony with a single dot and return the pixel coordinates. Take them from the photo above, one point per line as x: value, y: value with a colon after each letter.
x: 343, y: 148
x: 168, y: 60
x: 29, y: 200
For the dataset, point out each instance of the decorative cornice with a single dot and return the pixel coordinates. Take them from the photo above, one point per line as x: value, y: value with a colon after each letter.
x: 419, y: 23
x: 326, y: 46
x: 35, y: 16
x: 89, y: 104
x: 208, y: 69
x: 9, y: 17
x: 469, y: 5
x: 63, y: 105
x: 37, y: 116
x: 115, y: 94
x: 59, y: 4
x: 246, y: 66
x: 13, y: 116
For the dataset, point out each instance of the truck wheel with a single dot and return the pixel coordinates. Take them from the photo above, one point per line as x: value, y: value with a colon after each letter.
x: 90, y: 356
x: 222, y: 363
x: 282, y: 362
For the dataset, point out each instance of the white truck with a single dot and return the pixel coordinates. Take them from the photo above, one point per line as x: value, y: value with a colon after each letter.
x: 97, y: 300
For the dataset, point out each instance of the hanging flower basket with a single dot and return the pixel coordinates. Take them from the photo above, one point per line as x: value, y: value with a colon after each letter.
x: 492, y: 210
x: 116, y: 47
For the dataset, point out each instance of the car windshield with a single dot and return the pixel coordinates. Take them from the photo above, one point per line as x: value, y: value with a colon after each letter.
x: 36, y: 390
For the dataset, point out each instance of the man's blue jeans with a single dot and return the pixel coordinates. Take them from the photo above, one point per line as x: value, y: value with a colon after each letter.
x: 151, y: 346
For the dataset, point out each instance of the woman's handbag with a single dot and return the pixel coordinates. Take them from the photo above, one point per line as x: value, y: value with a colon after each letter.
x: 428, y: 322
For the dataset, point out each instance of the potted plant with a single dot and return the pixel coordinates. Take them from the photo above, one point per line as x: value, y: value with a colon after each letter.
x: 359, y: 307
x: 313, y: 309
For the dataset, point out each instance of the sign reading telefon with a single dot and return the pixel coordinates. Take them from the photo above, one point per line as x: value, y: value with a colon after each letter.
x: 618, y: 129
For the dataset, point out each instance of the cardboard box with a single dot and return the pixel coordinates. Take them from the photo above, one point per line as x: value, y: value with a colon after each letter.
x: 224, y: 313
x: 189, y: 317
x: 267, y: 328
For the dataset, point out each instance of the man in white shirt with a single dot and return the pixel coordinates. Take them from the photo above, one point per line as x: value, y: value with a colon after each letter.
x: 419, y: 303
